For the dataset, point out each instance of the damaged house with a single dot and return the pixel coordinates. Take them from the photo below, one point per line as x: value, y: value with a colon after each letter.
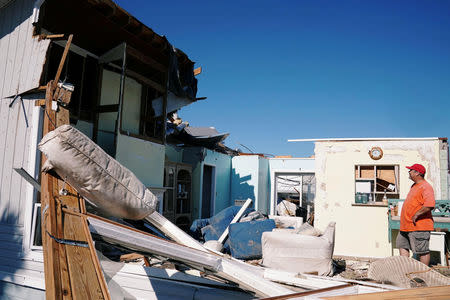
x: 124, y: 80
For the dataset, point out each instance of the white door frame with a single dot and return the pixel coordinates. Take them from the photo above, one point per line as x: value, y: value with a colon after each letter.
x: 273, y: 174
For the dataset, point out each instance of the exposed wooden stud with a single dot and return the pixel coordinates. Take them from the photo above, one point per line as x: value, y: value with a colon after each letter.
x: 48, y: 214
x: 50, y: 36
x: 197, y: 71
x: 61, y: 63
x: 40, y: 102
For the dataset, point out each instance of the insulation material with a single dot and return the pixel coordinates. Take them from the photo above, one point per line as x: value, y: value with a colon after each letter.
x: 286, y: 208
x: 95, y: 175
x: 299, y: 253
x: 405, y: 272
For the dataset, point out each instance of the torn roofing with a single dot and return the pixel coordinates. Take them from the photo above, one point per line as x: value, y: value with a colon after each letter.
x: 100, y: 25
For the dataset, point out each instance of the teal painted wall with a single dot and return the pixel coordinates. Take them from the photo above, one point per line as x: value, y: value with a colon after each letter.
x: 198, y: 157
x: 174, y: 153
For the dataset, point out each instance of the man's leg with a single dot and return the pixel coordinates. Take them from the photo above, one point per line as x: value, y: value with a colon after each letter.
x: 420, y: 242
x: 404, y: 252
x: 403, y: 244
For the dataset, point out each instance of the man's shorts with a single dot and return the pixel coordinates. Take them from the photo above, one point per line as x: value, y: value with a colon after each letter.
x: 416, y: 241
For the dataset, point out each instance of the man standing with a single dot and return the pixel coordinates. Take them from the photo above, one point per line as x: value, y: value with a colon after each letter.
x: 416, y: 221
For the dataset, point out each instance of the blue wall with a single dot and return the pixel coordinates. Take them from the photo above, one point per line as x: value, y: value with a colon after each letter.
x: 174, y: 153
x: 198, y: 157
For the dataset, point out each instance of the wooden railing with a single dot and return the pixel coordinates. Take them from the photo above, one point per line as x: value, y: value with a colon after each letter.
x: 441, y: 215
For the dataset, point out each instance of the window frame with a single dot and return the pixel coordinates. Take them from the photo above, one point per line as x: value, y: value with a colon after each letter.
x: 357, y: 178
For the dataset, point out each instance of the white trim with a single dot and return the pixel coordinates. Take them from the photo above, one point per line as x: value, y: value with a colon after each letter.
x: 33, y: 226
x: 272, y: 183
x: 363, y: 139
x: 32, y: 168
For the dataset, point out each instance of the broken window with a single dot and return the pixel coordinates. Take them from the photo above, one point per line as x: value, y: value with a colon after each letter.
x: 298, y: 189
x: 82, y: 72
x: 376, y: 184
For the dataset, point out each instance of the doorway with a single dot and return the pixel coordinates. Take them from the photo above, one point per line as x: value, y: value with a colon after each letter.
x: 208, y: 191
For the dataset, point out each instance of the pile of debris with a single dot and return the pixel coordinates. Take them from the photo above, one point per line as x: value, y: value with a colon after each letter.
x: 163, y: 260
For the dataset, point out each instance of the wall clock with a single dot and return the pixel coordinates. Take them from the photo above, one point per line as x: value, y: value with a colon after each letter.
x: 376, y: 153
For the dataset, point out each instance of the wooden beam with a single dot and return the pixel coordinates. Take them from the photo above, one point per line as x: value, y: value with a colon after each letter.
x: 48, y: 213
x: 197, y: 71
x: 61, y: 63
x: 39, y: 102
x: 50, y: 36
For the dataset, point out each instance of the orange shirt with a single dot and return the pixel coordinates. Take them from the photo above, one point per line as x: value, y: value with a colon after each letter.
x: 421, y: 194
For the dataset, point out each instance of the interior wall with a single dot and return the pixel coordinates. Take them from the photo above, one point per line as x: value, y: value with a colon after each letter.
x: 145, y: 159
x: 363, y: 230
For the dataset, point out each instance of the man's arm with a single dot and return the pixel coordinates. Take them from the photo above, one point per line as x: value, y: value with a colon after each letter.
x: 420, y: 212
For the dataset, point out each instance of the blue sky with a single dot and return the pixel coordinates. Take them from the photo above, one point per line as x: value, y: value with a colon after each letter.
x: 278, y: 70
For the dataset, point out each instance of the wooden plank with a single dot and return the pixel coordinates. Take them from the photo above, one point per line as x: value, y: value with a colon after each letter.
x: 83, y: 276
x: 435, y: 293
x: 63, y: 60
x: 48, y: 214
x: 197, y: 71
x: 86, y: 278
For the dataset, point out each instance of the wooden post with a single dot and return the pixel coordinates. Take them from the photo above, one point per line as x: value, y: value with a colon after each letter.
x: 71, y: 271
x: 48, y: 210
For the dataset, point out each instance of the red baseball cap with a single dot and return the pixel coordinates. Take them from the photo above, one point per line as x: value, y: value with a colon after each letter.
x: 418, y: 167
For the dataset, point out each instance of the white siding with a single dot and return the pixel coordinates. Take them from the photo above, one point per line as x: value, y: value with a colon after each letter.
x: 21, y: 63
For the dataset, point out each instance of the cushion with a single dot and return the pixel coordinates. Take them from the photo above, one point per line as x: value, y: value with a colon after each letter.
x: 96, y: 176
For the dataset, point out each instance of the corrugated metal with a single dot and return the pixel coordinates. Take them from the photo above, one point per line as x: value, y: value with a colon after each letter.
x: 21, y: 63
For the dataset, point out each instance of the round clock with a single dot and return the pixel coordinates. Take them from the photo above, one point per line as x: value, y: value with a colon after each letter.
x: 376, y: 153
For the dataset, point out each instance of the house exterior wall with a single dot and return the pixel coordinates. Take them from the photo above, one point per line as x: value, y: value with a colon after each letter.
x: 244, y: 178
x: 174, y: 154
x: 197, y: 157
x: 264, y: 186
x: 21, y: 63
x: 145, y: 159
x: 363, y: 230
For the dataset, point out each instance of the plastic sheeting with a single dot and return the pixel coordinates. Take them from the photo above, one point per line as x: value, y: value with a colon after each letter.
x: 95, y: 175
x: 299, y: 253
